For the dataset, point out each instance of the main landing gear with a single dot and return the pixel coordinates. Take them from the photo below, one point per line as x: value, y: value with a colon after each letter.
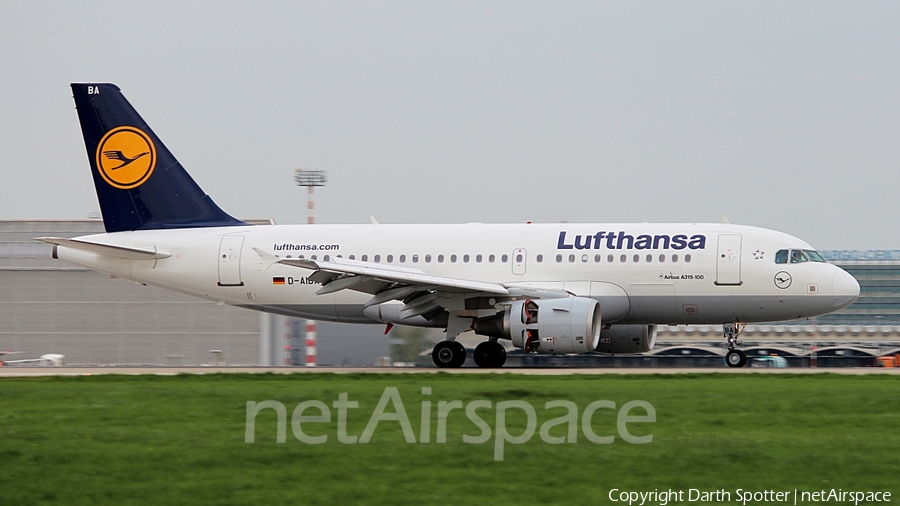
x: 449, y: 354
x: 734, y: 357
x: 490, y: 354
x: 453, y: 354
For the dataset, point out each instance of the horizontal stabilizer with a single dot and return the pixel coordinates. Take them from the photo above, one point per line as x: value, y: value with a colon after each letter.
x: 107, y: 250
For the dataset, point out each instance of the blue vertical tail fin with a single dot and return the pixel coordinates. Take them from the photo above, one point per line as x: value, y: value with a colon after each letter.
x: 139, y: 184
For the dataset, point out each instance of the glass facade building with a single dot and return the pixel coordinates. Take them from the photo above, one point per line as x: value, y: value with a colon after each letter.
x: 878, y: 274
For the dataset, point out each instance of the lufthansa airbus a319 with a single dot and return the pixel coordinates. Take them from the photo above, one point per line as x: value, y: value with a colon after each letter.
x: 547, y: 288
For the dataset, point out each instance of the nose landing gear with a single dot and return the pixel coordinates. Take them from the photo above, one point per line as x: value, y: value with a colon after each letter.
x: 734, y: 357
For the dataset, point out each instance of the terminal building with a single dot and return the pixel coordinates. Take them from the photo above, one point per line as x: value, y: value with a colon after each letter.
x: 49, y: 306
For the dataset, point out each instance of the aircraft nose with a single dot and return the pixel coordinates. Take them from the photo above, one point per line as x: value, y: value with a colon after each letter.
x: 845, y: 289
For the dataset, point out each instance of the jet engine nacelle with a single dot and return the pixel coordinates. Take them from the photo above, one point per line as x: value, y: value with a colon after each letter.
x: 557, y: 326
x: 627, y: 339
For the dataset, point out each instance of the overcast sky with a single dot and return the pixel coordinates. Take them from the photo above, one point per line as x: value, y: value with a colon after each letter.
x: 783, y: 115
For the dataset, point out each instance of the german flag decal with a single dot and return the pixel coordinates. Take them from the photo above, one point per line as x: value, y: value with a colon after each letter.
x: 277, y: 281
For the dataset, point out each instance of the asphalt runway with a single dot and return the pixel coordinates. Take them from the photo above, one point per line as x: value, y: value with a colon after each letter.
x: 16, y: 371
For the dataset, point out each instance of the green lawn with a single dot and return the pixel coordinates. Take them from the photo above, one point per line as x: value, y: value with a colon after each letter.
x: 180, y: 440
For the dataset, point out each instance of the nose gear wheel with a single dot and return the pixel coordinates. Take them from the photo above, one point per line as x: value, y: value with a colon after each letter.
x: 731, y: 331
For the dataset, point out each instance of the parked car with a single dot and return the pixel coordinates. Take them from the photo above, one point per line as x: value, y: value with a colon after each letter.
x: 769, y: 361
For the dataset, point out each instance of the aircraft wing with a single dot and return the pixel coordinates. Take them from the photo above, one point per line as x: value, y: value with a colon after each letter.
x: 22, y: 361
x: 338, y: 274
x: 420, y: 291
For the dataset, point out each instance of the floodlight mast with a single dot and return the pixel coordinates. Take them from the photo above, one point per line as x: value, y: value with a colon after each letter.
x: 310, y: 178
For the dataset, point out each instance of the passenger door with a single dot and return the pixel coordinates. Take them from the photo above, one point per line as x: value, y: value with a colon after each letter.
x: 728, y: 260
x: 230, y: 260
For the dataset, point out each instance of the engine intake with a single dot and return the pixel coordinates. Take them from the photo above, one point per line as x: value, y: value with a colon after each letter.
x: 555, y: 326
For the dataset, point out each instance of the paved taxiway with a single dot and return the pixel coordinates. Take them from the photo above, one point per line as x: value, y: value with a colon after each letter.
x: 15, y: 371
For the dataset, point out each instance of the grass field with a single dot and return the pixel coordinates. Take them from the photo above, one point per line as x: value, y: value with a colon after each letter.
x: 181, y: 440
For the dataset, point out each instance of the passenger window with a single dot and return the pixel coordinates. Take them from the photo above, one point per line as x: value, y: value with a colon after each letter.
x: 390, y: 258
x: 377, y: 259
x: 466, y: 258
x: 623, y: 258
x: 504, y: 258
x: 427, y: 259
x: 478, y: 258
x: 609, y: 258
x: 313, y: 257
x: 637, y: 258
x: 491, y: 258
x: 649, y: 258
x: 453, y: 259
x: 440, y: 259
x: 415, y: 259
x: 675, y: 257
x: 781, y: 257
x: 327, y: 258
x: 597, y: 258
x: 584, y: 258
x: 558, y: 258
x: 571, y: 258
x: 798, y: 257
x: 662, y: 258
x: 539, y: 258
x: 687, y: 258
x: 402, y: 258
x: 519, y: 258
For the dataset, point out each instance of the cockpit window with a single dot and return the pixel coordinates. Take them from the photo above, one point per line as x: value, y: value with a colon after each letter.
x: 814, y: 255
x: 797, y: 256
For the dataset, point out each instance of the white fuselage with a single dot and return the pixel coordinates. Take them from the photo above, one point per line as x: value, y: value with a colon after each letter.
x: 644, y: 273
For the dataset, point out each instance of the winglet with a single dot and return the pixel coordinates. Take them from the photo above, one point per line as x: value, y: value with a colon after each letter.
x: 268, y: 260
x: 373, y: 220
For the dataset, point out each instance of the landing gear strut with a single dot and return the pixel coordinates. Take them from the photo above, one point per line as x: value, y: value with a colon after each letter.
x: 490, y: 354
x: 449, y: 354
x: 734, y: 357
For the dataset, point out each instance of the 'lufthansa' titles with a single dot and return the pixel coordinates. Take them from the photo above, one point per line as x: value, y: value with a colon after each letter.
x: 622, y: 240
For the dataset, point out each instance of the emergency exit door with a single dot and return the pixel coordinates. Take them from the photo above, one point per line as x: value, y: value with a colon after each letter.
x: 518, y: 261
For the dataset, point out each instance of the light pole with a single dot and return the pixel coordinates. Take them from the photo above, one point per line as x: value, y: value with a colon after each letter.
x: 310, y: 178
